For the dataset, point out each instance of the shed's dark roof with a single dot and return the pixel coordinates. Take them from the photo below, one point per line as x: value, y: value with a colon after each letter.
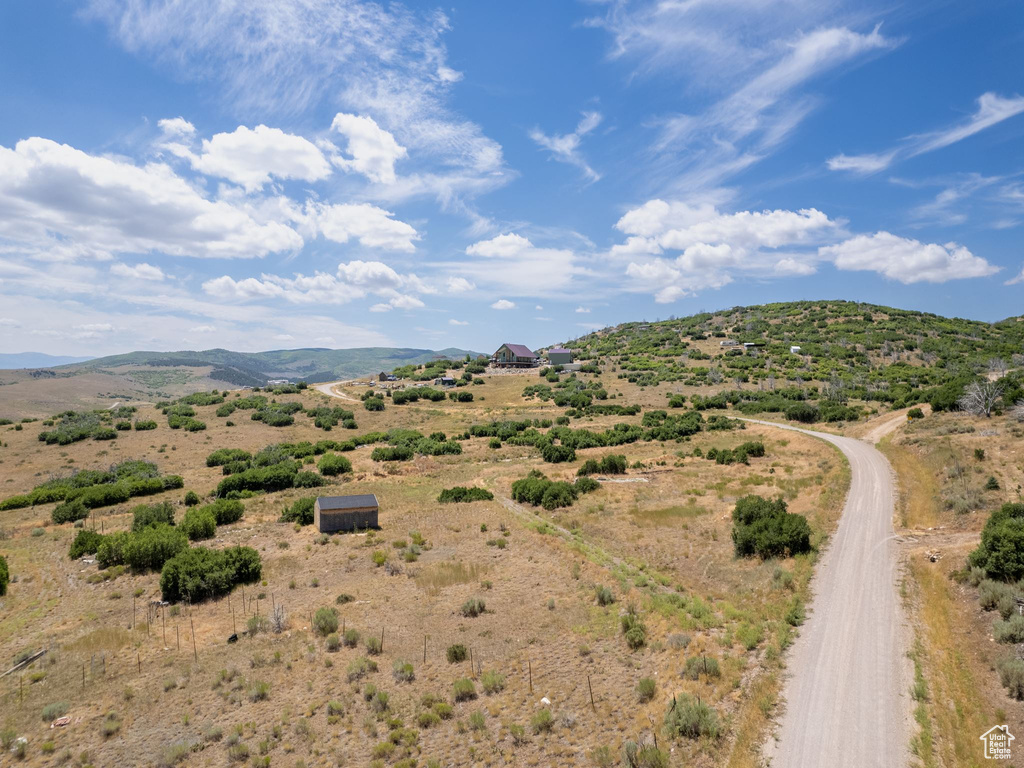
x: 519, y: 350
x: 347, y: 502
x: 559, y: 351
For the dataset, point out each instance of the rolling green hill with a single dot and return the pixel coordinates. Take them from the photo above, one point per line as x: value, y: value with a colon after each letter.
x: 255, y: 368
x: 867, y: 352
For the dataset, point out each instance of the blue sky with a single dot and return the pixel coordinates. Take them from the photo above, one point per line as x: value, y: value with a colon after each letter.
x: 184, y: 174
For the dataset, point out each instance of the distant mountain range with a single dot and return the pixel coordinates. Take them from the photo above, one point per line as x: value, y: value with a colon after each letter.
x: 36, y: 360
x: 255, y: 368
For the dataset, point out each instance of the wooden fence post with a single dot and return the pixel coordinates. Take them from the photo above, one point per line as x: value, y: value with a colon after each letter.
x: 194, y: 649
x: 593, y: 706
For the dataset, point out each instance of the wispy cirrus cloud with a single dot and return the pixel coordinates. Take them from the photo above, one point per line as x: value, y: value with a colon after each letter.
x: 991, y: 110
x: 387, y: 64
x: 773, y: 50
x: 565, y: 147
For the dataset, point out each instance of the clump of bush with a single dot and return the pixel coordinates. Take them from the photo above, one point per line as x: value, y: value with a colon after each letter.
x: 52, y: 711
x: 492, y: 682
x: 702, y: 665
x: 331, y: 464
x: 1011, y: 675
x: 1001, y: 551
x: 152, y: 515
x: 199, y: 573
x: 738, y: 455
x: 633, y: 628
x: 199, y: 524
x: 456, y: 653
x: 473, y: 607
x: 145, y: 550
x: 764, y: 527
x: 536, y: 489
x: 403, y: 671
x: 1010, y: 630
x: 612, y: 464
x: 391, y: 453
x: 5, y: 575
x: 463, y: 689
x: 301, y: 511
x: 86, y: 542
x: 461, y: 493
x: 996, y: 595
x: 604, y: 595
x: 691, y: 718
x: 360, y: 667
x: 542, y: 721
x: 325, y: 621
x: 646, y: 688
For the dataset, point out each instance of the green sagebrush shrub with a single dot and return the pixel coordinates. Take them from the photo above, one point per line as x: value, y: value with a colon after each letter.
x: 1001, y: 551
x: 300, y: 512
x: 199, y: 524
x: 86, y: 542
x: 691, y: 718
x: 143, y: 550
x: 461, y: 493
x: 331, y: 464
x: 612, y: 464
x: 151, y: 515
x: 764, y: 527
x: 199, y: 573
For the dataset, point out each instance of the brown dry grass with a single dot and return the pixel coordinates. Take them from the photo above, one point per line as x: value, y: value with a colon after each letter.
x: 666, y: 534
x: 955, y: 649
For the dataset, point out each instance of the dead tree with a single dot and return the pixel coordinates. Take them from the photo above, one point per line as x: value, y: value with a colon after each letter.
x: 980, y: 398
x: 997, y: 367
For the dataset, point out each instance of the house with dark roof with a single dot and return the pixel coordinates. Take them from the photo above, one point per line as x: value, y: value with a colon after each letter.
x: 345, y: 513
x: 559, y: 356
x: 514, y: 356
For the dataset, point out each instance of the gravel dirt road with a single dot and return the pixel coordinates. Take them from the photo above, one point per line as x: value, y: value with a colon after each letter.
x: 847, y: 689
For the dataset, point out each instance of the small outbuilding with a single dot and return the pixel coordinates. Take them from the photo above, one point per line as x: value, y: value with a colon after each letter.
x: 728, y: 343
x: 794, y: 350
x: 345, y: 513
x: 445, y: 381
x: 559, y: 356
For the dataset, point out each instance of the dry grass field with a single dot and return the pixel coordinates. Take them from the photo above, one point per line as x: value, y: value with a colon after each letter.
x: 944, y: 505
x: 145, y: 686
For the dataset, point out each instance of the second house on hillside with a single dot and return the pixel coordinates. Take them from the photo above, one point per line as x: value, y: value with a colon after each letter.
x: 559, y: 356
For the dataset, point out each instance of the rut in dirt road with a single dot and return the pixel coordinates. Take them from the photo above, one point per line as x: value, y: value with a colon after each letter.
x: 847, y: 700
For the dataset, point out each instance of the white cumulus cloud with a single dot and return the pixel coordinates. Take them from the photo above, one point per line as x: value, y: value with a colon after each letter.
x: 374, y: 227
x: 251, y: 156
x: 61, y: 202
x: 515, y: 264
x: 503, y: 304
x: 907, y: 260
x: 373, y: 150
